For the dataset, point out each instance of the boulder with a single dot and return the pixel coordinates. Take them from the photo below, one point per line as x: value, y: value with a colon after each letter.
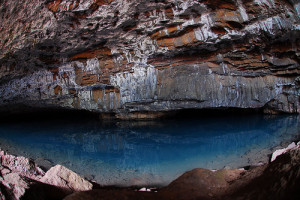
x: 284, y: 150
x: 201, y: 183
x: 21, y: 165
x: 62, y: 177
x: 13, y: 186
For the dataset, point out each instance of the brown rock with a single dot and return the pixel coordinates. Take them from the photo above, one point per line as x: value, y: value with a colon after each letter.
x: 201, y: 183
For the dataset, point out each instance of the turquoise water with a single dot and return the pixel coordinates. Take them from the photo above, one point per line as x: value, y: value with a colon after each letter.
x: 151, y: 152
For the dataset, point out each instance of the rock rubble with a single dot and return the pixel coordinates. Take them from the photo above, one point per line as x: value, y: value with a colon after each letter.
x: 19, y: 174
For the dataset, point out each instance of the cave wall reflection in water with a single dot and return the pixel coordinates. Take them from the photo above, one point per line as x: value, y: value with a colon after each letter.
x: 150, y: 152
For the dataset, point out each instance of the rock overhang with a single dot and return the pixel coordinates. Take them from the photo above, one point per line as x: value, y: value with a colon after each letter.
x: 145, y: 56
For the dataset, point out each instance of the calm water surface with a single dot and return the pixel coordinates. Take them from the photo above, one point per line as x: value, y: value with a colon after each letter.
x: 150, y: 152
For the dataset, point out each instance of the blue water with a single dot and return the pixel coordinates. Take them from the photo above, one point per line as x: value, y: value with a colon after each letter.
x: 151, y: 152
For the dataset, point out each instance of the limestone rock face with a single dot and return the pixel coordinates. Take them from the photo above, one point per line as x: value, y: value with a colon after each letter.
x: 119, y: 56
x: 64, y: 178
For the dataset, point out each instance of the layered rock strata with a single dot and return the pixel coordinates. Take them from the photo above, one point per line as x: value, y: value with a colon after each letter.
x: 141, y: 57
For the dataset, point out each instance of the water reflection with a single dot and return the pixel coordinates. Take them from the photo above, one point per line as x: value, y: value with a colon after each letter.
x: 152, y: 152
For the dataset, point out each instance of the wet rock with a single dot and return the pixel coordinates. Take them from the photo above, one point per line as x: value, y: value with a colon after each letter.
x: 64, y: 178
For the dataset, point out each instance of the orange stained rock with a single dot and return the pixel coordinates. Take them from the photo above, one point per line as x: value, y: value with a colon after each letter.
x: 225, y: 15
x: 209, y: 59
x: 186, y: 39
x: 218, y: 30
x: 166, y: 42
x: 57, y: 5
x: 85, y: 78
x: 212, y: 65
x: 169, y: 13
x: 172, y: 29
x: 113, y: 89
x: 98, y: 3
x: 54, y: 5
x: 158, y: 34
x: 105, y: 78
x: 99, y: 52
x: 108, y: 64
x: 260, y: 64
x: 147, y: 14
x: 97, y: 94
x: 74, y: 5
x: 54, y: 72
x: 217, y: 4
x: 57, y: 90
x: 72, y: 91
x: 227, y: 6
x: 229, y: 19
x: 103, y: 2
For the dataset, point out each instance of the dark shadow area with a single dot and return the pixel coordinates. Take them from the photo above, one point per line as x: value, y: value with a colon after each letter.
x: 21, y: 113
x: 24, y: 113
x: 42, y: 191
x: 211, y: 112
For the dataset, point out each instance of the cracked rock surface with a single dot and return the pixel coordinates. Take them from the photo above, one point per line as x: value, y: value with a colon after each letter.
x: 138, y: 56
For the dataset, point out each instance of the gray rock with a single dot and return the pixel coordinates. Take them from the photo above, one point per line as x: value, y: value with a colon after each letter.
x: 150, y: 56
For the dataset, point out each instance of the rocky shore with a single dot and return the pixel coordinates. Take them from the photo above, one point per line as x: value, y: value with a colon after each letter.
x: 22, y: 178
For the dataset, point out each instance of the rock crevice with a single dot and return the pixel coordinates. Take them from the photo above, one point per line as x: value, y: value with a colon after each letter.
x: 105, y: 55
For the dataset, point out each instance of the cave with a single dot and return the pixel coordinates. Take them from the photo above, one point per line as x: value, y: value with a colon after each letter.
x: 137, y: 99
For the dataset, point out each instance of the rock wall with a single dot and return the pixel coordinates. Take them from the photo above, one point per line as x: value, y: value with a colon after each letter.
x: 115, y: 56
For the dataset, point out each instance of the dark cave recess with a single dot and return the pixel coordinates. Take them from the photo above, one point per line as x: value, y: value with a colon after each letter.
x: 25, y: 113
